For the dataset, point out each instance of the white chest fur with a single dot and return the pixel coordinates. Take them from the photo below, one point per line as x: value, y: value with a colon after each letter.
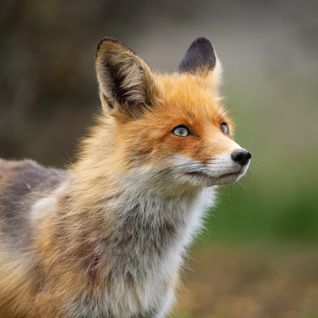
x: 155, y: 234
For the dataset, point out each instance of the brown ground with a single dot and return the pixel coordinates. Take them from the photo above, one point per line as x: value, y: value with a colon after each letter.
x: 250, y: 282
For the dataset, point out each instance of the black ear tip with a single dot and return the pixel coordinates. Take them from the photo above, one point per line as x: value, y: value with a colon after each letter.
x: 203, y: 40
x: 105, y: 39
x: 199, y: 56
x: 202, y: 43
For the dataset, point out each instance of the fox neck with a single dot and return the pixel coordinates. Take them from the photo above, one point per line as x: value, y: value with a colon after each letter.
x: 137, y: 222
x: 134, y: 230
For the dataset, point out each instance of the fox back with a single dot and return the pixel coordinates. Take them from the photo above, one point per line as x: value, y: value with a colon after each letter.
x: 107, y: 236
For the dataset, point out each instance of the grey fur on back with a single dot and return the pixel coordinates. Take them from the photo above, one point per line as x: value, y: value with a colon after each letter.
x: 21, y: 182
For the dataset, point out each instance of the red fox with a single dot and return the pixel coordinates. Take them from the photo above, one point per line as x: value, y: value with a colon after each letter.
x: 107, y: 236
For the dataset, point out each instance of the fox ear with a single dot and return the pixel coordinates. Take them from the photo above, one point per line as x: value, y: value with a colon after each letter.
x: 200, y: 57
x: 126, y: 83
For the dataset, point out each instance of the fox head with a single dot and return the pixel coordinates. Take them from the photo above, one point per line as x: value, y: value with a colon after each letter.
x: 170, y: 129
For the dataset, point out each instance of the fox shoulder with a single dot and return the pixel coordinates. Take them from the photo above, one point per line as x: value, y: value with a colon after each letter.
x: 21, y: 183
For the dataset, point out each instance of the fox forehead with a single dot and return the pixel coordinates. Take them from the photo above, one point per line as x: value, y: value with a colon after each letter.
x: 190, y: 96
x: 184, y: 99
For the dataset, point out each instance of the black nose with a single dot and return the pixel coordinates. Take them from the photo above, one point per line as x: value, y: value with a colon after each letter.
x: 241, y: 156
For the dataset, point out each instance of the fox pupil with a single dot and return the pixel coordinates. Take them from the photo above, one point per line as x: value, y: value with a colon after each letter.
x: 181, y: 131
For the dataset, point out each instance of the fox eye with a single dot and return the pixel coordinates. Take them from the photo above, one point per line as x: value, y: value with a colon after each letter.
x: 181, y: 131
x: 225, y: 128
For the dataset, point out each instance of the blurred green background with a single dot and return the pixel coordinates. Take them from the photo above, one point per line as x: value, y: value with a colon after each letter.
x: 269, y: 50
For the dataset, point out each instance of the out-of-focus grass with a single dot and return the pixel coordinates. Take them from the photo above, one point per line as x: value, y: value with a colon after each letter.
x: 246, y: 213
x: 245, y: 281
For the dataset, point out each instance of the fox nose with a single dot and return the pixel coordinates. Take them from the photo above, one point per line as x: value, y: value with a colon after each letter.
x: 241, y: 156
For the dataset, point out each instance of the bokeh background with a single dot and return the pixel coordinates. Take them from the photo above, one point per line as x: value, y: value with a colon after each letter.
x: 257, y: 256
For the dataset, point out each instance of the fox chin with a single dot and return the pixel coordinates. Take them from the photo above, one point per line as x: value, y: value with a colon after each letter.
x: 106, y: 237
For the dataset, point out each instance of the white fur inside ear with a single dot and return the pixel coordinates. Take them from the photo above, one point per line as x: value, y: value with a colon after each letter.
x: 218, y: 71
x: 215, y: 77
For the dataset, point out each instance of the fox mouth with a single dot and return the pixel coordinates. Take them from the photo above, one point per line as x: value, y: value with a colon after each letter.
x: 221, y: 179
x: 206, y: 175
